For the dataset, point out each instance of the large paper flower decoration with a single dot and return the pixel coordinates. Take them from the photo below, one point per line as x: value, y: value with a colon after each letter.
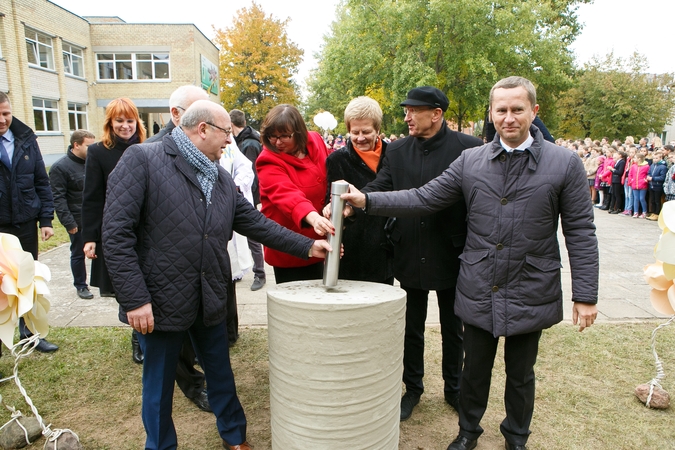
x: 660, y: 274
x: 23, y: 290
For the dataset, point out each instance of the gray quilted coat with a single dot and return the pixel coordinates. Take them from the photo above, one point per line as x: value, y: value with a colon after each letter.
x: 164, y: 246
x: 509, y: 280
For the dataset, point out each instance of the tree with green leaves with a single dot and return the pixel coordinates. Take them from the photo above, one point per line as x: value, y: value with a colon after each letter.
x: 614, y: 97
x: 383, y: 49
x: 257, y: 61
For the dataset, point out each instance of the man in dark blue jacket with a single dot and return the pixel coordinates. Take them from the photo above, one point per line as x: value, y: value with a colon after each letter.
x: 25, y: 195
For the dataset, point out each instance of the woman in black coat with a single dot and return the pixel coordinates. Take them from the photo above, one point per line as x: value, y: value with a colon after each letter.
x: 367, y: 253
x: 122, y: 127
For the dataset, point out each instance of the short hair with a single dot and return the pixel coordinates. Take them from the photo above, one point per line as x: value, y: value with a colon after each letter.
x: 668, y: 147
x: 195, y: 115
x: 238, y: 118
x: 284, y: 118
x: 117, y: 108
x: 639, y: 156
x: 630, y: 139
x: 364, y: 108
x: 180, y: 97
x: 4, y: 98
x: 79, y: 136
x: 514, y: 82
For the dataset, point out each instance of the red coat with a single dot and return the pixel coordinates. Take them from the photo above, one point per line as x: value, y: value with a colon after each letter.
x: 291, y: 188
x: 637, y: 176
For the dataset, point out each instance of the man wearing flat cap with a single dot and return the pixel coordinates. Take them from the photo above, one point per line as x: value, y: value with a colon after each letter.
x: 426, y: 249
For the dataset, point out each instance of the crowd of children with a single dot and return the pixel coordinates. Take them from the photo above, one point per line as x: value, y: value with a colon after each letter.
x: 627, y: 178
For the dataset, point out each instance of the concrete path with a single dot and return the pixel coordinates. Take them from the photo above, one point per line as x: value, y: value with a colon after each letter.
x: 626, y: 246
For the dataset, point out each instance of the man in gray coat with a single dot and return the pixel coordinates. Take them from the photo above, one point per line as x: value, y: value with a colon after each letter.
x: 170, y: 212
x: 516, y: 189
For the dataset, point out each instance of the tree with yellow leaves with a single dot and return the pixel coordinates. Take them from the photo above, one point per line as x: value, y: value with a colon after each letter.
x: 257, y: 61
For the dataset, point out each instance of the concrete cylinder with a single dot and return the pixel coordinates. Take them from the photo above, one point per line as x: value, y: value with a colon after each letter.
x: 335, y: 361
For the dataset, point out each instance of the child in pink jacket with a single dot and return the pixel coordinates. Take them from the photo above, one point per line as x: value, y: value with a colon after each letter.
x: 637, y: 178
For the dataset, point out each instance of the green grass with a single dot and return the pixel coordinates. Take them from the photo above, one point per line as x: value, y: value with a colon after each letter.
x: 585, y: 399
x: 60, y: 237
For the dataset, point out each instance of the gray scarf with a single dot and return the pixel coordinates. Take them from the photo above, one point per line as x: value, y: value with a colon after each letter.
x: 206, y: 170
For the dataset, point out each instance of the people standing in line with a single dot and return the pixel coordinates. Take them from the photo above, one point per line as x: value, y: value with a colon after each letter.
x: 169, y: 215
x: 190, y: 380
x: 292, y: 179
x: 122, y: 127
x: 248, y: 141
x: 25, y: 196
x: 617, y: 186
x: 509, y: 283
x: 66, y: 178
x: 368, y: 256
x: 427, y: 249
x: 655, y: 178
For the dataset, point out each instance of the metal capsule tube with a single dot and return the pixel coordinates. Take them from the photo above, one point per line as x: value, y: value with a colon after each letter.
x: 331, y: 265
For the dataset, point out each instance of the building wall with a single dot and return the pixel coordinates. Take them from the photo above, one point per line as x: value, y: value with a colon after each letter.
x: 23, y: 82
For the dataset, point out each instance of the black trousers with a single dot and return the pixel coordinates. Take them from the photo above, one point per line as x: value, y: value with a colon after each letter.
x: 189, y: 379
x: 618, y: 196
x: 288, y: 274
x: 451, y: 334
x: 520, y: 355
x: 655, y: 200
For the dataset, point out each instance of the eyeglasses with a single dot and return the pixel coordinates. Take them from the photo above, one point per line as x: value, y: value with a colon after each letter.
x: 227, y: 132
x: 180, y: 107
x: 285, y: 138
x: 414, y: 111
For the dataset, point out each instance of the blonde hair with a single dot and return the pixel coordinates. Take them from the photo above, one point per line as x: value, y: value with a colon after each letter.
x: 364, y: 108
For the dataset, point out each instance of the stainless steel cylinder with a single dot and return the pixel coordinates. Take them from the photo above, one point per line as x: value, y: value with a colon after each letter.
x: 331, y: 265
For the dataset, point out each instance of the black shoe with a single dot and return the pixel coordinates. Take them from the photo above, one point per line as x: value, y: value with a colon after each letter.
x: 202, y: 401
x: 136, y: 352
x: 614, y: 211
x: 452, y: 400
x: 463, y: 443
x: 106, y: 294
x: 510, y: 446
x: 44, y: 346
x: 258, y: 283
x: 85, y: 293
x: 408, y: 402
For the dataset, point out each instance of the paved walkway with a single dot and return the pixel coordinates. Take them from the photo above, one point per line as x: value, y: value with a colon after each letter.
x: 626, y: 245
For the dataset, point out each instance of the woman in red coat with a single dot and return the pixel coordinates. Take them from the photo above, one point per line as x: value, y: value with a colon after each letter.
x: 292, y: 180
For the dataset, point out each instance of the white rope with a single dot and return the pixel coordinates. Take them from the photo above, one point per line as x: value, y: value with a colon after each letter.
x: 660, y: 373
x: 22, y: 349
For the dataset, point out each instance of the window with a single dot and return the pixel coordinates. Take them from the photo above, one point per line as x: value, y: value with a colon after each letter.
x: 46, y: 115
x: 73, y: 61
x: 133, y: 66
x: 39, y: 48
x: 77, y: 116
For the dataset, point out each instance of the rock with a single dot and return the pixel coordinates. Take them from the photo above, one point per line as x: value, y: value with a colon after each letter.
x: 12, y: 435
x: 67, y: 441
x: 660, y: 398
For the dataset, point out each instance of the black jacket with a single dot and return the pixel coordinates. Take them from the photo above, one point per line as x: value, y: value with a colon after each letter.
x: 164, y: 246
x: 66, y: 177
x: 248, y: 141
x: 24, y: 191
x: 367, y: 255
x: 426, y: 248
x: 619, y: 168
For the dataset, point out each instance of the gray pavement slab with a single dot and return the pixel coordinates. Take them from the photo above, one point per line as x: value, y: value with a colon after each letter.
x: 626, y: 246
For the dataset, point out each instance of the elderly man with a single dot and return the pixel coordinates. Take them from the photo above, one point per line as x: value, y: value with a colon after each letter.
x: 170, y: 212
x: 25, y: 195
x: 426, y: 249
x: 516, y: 188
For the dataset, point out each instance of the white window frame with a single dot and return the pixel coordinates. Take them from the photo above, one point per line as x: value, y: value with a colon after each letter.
x: 134, y: 60
x: 70, y: 54
x: 34, y: 43
x: 79, y: 115
x: 43, y: 109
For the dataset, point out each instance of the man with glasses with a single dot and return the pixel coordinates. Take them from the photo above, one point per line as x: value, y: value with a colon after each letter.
x: 189, y: 379
x: 426, y: 249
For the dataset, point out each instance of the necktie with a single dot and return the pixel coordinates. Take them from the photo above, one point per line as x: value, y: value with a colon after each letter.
x: 4, y: 157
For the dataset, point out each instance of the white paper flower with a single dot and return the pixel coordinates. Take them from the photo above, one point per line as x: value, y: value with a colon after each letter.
x: 23, y: 290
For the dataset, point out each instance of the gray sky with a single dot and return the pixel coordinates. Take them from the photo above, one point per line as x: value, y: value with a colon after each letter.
x: 623, y: 26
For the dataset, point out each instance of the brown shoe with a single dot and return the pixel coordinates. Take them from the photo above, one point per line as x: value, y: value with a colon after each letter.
x: 244, y: 446
x: 653, y: 217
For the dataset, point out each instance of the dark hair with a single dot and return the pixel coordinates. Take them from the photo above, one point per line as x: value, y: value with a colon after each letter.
x: 284, y: 119
x: 79, y: 136
x: 238, y: 118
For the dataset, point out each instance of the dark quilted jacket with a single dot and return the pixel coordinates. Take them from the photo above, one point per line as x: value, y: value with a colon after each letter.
x: 164, y: 246
x: 509, y: 279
